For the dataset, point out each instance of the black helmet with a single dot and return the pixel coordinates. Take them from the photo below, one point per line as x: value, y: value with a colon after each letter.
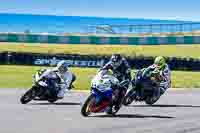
x: 116, y: 60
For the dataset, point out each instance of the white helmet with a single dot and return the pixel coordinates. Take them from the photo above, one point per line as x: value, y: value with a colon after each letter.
x: 62, y: 66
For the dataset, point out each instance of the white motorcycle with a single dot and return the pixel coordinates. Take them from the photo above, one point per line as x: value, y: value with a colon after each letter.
x: 46, y: 89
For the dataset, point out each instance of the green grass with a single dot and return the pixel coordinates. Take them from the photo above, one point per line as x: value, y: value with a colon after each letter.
x: 21, y: 77
x: 184, y: 79
x: 83, y: 49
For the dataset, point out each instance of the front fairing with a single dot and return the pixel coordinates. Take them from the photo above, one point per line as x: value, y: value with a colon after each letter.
x: 101, y: 95
x: 102, y: 100
x: 107, y: 93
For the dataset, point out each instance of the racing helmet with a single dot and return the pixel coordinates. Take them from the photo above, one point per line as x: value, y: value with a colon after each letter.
x: 159, y: 62
x: 62, y: 66
x: 116, y: 60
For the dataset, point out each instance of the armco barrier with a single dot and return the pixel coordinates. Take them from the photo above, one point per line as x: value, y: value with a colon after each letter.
x: 69, y: 39
x: 189, y: 64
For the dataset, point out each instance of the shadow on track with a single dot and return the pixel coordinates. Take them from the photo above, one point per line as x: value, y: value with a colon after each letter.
x: 59, y: 103
x: 133, y: 116
x: 167, y: 105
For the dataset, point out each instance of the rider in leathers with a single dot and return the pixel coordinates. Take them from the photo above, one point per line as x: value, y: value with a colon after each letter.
x: 164, y: 73
x: 119, y: 66
x: 66, y: 78
x: 121, y: 70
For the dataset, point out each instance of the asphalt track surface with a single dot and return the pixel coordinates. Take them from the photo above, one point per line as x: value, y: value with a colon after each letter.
x: 175, y: 112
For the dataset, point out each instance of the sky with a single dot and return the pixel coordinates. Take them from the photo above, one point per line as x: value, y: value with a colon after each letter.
x: 148, y: 9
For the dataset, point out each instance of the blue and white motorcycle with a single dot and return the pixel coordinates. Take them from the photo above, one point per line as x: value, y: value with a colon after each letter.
x: 103, y: 95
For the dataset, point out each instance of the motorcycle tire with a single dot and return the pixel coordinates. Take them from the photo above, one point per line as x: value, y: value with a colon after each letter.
x: 52, y: 100
x: 129, y: 98
x: 85, y: 107
x: 27, y: 97
x: 149, y: 101
x: 114, y: 111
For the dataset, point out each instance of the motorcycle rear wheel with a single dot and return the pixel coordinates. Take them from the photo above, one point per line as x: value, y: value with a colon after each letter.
x: 52, y: 100
x: 129, y: 98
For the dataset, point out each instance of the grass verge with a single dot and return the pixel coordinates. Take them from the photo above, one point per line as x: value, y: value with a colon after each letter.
x: 21, y: 77
x: 84, y: 49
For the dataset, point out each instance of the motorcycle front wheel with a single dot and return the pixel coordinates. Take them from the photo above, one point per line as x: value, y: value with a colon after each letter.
x: 85, y: 110
x: 151, y: 101
x: 27, y: 97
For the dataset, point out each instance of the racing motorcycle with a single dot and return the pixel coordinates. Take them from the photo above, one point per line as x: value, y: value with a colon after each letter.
x: 143, y: 89
x: 43, y: 90
x: 101, y: 99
